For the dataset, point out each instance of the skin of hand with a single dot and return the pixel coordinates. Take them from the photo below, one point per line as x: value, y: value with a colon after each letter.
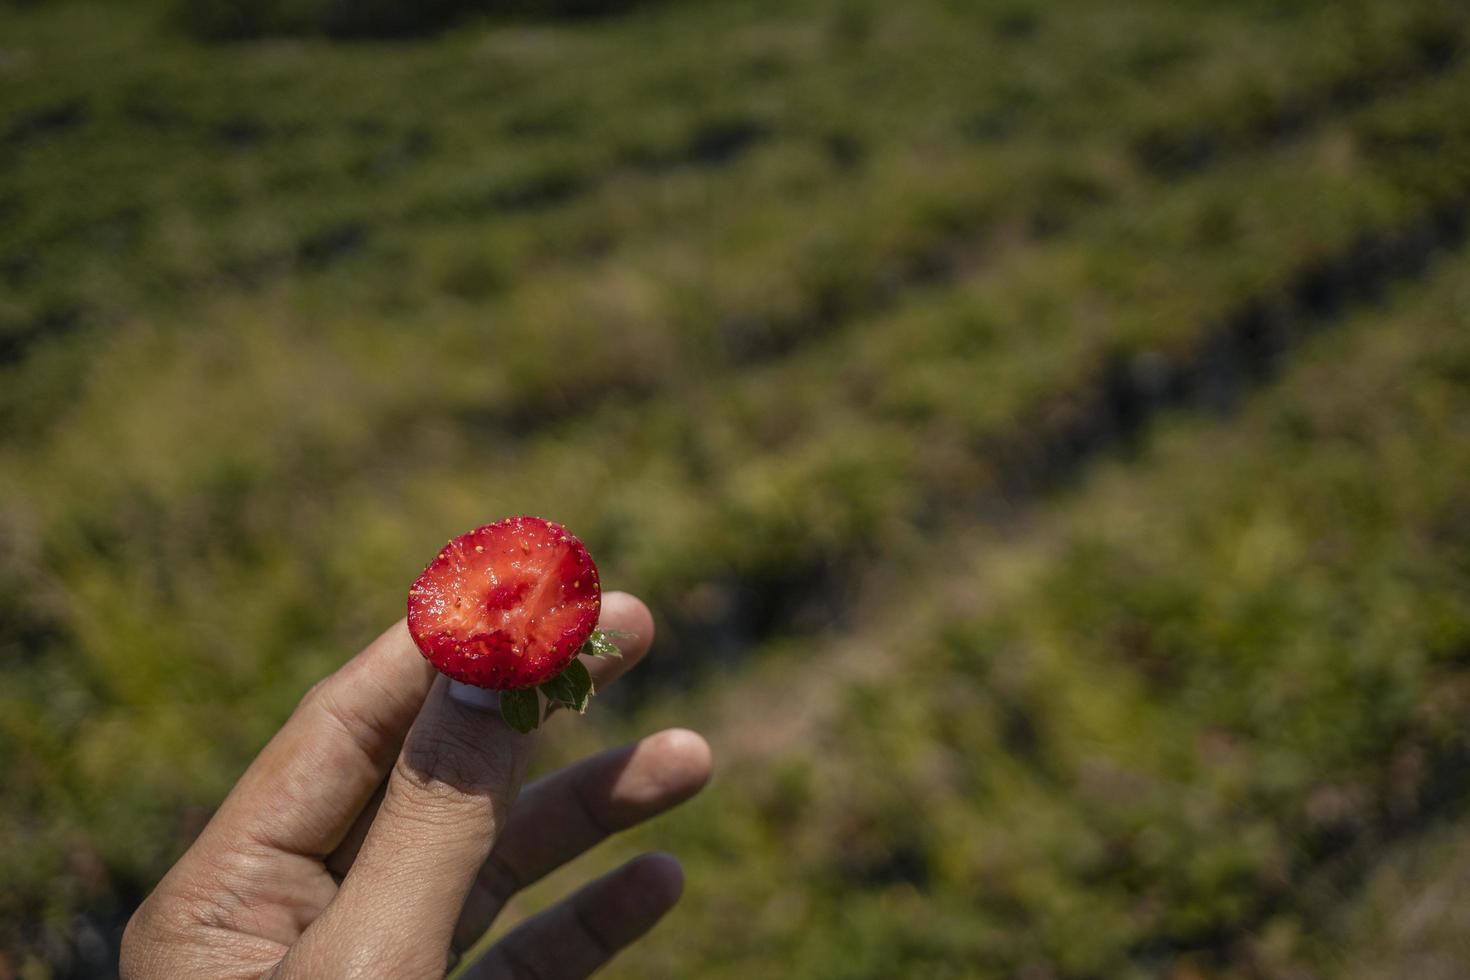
x: 384, y: 827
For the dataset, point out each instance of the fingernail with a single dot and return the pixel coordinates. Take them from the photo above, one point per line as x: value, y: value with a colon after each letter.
x: 471, y: 696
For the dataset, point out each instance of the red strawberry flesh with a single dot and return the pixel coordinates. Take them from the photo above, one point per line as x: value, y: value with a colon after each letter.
x: 507, y: 605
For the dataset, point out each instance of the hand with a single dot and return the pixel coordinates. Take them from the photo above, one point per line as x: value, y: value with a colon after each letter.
x: 382, y: 829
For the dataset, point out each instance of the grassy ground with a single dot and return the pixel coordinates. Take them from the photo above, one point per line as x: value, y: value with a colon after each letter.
x: 785, y: 307
x: 1193, y: 717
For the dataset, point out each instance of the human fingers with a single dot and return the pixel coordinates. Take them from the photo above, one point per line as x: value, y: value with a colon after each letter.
x: 445, y: 802
x: 623, y: 614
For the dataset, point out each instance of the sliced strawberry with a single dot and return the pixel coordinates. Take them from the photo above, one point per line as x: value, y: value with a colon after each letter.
x: 506, y: 606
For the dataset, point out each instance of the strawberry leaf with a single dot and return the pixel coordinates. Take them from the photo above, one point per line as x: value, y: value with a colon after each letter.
x: 572, y: 687
x: 521, y: 709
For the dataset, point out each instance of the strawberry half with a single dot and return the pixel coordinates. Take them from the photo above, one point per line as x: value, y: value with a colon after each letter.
x: 508, y: 606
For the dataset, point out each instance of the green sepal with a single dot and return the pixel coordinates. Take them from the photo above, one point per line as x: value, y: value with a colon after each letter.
x: 521, y: 709
x: 600, y: 643
x: 572, y: 688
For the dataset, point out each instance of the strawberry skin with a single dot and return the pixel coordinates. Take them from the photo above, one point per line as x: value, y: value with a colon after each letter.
x: 507, y: 605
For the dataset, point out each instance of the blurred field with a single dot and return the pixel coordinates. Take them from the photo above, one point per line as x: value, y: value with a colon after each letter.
x: 1039, y: 426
